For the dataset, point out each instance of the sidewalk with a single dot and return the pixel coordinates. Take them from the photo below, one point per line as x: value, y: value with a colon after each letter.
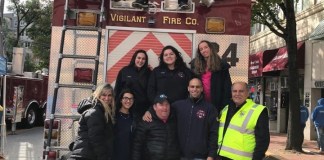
x: 277, y: 150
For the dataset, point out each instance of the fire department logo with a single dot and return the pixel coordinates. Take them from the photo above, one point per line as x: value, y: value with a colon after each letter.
x: 201, y: 114
x: 181, y: 74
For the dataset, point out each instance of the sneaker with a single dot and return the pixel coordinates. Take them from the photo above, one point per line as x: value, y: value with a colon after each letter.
x: 140, y: 4
x: 183, y: 6
x: 206, y: 3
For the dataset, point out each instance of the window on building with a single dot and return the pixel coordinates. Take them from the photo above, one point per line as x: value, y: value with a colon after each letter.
x: 27, y: 44
x: 318, y: 1
x: 301, y: 5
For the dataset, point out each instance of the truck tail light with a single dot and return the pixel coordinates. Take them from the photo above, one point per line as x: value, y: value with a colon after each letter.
x: 56, y: 124
x: 51, y: 155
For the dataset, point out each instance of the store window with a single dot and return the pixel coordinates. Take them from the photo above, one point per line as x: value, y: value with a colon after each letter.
x: 301, y: 5
x: 271, y: 97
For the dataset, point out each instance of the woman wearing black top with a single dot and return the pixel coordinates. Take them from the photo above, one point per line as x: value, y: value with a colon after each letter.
x: 135, y: 77
x: 95, y: 134
x: 214, y: 74
x: 171, y: 77
x: 124, y: 126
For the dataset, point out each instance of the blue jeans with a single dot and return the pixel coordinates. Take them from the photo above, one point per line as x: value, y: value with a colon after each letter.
x: 320, y: 137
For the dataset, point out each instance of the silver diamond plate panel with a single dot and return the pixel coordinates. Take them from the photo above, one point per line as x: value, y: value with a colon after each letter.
x: 80, y: 43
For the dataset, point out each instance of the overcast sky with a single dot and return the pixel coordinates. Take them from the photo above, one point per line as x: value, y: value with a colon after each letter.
x: 5, y: 10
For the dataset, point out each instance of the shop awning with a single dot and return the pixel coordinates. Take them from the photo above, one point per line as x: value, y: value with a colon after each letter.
x: 280, y: 60
x: 318, y: 33
x: 258, y: 60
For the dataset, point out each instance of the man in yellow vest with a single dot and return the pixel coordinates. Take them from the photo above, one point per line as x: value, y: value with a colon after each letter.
x: 244, y: 127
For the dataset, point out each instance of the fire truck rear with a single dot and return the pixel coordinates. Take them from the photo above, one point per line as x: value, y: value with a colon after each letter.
x: 124, y: 29
x: 23, y: 96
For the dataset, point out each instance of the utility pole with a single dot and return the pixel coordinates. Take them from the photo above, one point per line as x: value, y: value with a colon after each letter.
x: 1, y: 29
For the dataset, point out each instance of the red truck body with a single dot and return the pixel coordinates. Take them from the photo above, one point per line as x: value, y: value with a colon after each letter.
x: 31, y: 100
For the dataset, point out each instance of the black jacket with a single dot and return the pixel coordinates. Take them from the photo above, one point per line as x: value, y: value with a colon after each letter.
x: 220, y: 86
x: 136, y: 80
x: 197, y: 128
x: 173, y: 83
x: 156, y: 140
x: 95, y: 135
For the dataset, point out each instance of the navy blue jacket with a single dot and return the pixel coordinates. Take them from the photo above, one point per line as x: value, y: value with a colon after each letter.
x: 318, y: 113
x: 173, y: 83
x: 135, y: 80
x: 197, y: 127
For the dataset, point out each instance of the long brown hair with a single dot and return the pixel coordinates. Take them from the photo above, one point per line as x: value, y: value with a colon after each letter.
x: 200, y: 64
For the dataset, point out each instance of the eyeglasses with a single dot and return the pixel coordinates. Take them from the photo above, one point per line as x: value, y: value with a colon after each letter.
x: 127, y: 99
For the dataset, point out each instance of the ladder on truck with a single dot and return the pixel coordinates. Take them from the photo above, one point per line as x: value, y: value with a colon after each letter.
x: 54, y: 119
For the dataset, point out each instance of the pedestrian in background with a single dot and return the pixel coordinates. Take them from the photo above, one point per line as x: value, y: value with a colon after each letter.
x: 171, y: 77
x: 318, y: 119
x: 244, y: 127
x: 135, y: 76
x: 123, y: 129
x: 304, y: 114
x: 95, y: 133
x: 157, y: 140
x: 214, y: 74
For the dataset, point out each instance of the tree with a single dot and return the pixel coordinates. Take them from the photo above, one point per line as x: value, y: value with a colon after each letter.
x: 33, y: 16
x: 40, y: 33
x: 26, y: 13
x: 266, y: 12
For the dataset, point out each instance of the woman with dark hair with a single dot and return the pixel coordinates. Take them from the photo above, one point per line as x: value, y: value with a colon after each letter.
x: 124, y: 125
x: 95, y: 133
x: 214, y: 74
x: 135, y: 77
x: 171, y: 77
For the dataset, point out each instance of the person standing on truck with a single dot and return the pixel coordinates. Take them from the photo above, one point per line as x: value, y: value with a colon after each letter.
x: 214, y: 73
x: 182, y: 4
x: 95, y: 133
x: 171, y: 77
x: 135, y: 76
x: 124, y: 127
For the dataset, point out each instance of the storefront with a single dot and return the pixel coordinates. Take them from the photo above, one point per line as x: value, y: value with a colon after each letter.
x: 314, y: 73
x: 269, y: 70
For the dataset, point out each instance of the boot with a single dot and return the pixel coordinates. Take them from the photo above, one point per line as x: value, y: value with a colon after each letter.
x: 183, y: 4
x: 140, y: 4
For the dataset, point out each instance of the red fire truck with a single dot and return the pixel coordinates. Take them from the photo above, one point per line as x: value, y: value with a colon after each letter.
x: 93, y: 39
x: 24, y: 99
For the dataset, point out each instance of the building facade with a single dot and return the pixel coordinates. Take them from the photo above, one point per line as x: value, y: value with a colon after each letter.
x: 268, y: 65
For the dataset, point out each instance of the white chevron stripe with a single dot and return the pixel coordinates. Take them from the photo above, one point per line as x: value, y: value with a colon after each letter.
x: 124, y: 47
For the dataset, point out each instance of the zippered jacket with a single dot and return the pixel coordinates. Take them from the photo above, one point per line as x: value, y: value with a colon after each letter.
x: 197, y: 128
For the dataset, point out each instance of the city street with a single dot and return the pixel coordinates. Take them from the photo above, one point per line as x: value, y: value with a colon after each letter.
x: 26, y: 144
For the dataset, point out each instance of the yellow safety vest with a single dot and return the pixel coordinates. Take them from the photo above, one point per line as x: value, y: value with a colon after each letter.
x: 239, y: 141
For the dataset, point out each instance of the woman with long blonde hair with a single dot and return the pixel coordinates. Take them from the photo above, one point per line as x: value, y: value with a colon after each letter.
x: 95, y: 134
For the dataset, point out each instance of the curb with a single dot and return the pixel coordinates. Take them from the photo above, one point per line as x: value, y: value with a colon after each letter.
x: 270, y: 156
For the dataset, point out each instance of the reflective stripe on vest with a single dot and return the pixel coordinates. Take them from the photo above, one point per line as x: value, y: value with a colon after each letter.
x: 241, y: 153
x: 243, y: 129
x: 240, y: 128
